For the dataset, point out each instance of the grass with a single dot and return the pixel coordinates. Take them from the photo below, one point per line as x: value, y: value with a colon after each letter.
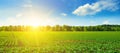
x: 59, y: 42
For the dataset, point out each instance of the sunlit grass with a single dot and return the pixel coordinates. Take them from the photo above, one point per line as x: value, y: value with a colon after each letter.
x: 40, y: 42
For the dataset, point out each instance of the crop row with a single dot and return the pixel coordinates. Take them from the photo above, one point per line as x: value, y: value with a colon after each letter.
x: 63, y: 46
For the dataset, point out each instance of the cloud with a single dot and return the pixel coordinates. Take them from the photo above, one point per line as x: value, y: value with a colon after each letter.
x: 91, y: 9
x: 106, y: 22
x: 63, y: 14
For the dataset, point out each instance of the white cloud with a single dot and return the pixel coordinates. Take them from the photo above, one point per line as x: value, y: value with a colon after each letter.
x: 91, y: 9
x: 63, y: 14
x: 106, y: 22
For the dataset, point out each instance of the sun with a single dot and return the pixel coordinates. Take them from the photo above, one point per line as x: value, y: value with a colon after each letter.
x: 35, y: 22
x: 37, y: 18
x: 35, y: 25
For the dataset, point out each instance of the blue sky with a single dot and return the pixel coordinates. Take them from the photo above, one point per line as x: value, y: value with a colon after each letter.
x: 52, y: 12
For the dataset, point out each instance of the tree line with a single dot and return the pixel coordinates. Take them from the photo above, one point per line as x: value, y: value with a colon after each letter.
x: 61, y: 28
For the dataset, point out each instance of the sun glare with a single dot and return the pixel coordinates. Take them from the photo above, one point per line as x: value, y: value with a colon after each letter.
x: 35, y: 22
x: 35, y: 18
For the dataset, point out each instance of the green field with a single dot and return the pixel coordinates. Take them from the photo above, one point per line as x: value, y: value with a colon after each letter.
x: 59, y: 42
